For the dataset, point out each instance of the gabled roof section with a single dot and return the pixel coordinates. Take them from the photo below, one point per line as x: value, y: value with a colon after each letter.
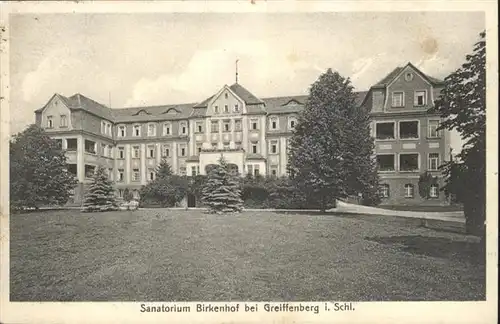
x: 204, y: 103
x: 245, y: 95
x: 395, y: 73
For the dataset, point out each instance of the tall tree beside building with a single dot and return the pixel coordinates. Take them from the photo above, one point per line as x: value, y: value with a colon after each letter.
x: 100, y: 196
x: 222, y: 190
x: 331, y: 149
x: 38, y: 171
x: 462, y: 105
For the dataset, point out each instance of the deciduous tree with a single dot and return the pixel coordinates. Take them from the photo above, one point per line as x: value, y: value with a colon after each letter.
x: 38, y: 171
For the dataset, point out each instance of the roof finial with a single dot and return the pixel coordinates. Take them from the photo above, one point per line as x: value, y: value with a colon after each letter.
x: 237, y: 71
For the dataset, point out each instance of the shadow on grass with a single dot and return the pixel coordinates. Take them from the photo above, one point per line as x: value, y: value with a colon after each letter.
x: 438, y: 247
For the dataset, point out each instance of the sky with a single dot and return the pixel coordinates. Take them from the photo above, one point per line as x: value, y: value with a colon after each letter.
x: 168, y: 58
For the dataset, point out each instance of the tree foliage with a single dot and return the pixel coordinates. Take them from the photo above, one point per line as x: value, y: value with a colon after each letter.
x: 100, y: 195
x: 222, y: 190
x: 38, y: 171
x: 462, y: 105
x: 167, y: 189
x: 331, y: 148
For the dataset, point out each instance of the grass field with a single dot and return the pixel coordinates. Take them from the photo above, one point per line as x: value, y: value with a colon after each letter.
x: 424, y: 208
x: 150, y: 255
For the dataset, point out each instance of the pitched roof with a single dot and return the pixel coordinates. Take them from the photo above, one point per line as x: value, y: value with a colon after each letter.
x: 394, y: 73
x: 160, y: 112
x: 245, y: 95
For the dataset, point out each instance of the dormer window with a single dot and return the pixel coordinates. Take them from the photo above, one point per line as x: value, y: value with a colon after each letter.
x: 137, y: 130
x: 50, y: 122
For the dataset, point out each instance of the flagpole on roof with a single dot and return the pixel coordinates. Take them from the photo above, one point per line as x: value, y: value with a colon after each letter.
x: 237, y: 71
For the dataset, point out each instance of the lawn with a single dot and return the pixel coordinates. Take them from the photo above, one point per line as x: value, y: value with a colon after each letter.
x: 149, y: 255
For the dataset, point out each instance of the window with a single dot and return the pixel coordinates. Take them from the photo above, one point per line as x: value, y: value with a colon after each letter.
x: 273, y: 123
x: 216, y: 109
x: 225, y: 146
x: 420, y: 98
x: 151, y: 130
x: 110, y: 174
x: 274, y: 171
x: 120, y: 193
x: 121, y: 131
x: 273, y: 146
x: 237, y: 125
x: 237, y: 145
x: 384, y: 191
x: 121, y: 152
x: 103, y: 127
x: 182, y: 171
x: 409, y: 190
x: 183, y: 128
x: 254, y: 124
x: 214, y: 126
x: 151, y: 174
x: 398, y: 99
x: 434, y: 191
x: 226, y: 108
x: 151, y: 151
x: 50, y: 122
x: 89, y: 170
x: 136, y: 176
x: 166, y: 129
x: 254, y: 148
x: 386, y: 162
x: 104, y: 150
x: 236, y: 108
x: 408, y: 162
x: 64, y: 121
x: 225, y: 95
x: 59, y: 143
x: 137, y: 130
x: 199, y: 127
x: 226, y: 126
x: 121, y: 175
x: 214, y: 146
x: 166, y: 150
x: 408, y: 129
x: 90, y: 147
x: 136, y: 152
x: 250, y: 169
x: 433, y: 126
x: 256, y: 171
x: 183, y: 151
x: 292, y: 121
x: 193, y: 171
x: 198, y: 148
x: 71, y: 144
x: 433, y: 161
x: 408, y: 76
x: 384, y: 131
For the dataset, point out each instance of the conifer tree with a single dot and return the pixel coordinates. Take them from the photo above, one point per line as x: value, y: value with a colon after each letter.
x: 222, y: 191
x: 331, y: 148
x: 100, y: 195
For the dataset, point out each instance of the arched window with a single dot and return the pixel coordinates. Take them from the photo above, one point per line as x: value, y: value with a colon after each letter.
x: 409, y: 190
